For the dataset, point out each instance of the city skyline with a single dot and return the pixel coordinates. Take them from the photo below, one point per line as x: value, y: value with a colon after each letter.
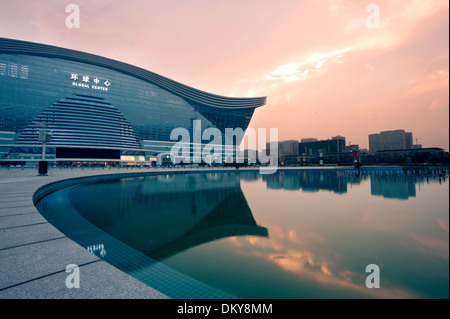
x: 323, y: 70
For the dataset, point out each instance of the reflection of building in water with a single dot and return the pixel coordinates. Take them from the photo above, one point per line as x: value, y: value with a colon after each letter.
x: 161, y: 218
x: 250, y: 176
x: 401, y: 188
x: 310, y: 181
x: 231, y: 217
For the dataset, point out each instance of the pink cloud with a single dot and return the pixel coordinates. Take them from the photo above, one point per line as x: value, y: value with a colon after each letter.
x: 432, y: 245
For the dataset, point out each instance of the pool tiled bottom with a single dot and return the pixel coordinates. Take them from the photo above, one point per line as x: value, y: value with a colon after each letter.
x: 156, y: 275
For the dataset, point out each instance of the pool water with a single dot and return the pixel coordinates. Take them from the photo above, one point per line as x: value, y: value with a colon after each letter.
x: 293, y: 234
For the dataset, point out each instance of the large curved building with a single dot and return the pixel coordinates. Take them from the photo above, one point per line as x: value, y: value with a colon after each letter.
x: 99, y: 109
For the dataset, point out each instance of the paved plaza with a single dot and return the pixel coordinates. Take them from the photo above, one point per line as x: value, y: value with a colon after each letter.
x: 34, y: 254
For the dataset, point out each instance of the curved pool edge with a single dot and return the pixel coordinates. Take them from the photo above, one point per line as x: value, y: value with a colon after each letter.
x: 34, y: 254
x: 62, y: 215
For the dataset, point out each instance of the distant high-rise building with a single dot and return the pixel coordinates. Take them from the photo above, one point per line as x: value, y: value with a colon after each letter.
x: 290, y: 147
x: 408, y: 140
x: 390, y: 140
x: 374, y: 142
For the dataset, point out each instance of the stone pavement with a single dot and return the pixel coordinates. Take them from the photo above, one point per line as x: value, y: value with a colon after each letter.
x: 34, y: 254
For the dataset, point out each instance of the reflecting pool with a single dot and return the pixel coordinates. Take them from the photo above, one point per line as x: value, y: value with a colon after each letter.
x: 293, y: 234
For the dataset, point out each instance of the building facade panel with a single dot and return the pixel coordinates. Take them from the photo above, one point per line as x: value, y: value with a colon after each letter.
x: 94, y: 102
x: 332, y: 146
x: 390, y: 140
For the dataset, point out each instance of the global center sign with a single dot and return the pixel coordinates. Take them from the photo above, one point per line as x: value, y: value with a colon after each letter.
x: 89, y: 82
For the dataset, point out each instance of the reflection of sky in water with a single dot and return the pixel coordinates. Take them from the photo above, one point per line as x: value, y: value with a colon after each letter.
x: 294, y: 234
x: 324, y: 231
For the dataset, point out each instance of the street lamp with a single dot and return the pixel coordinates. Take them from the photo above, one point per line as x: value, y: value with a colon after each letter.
x: 44, y: 136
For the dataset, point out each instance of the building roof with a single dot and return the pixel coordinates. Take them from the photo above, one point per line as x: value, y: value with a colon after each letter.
x: 414, y: 150
x: 12, y: 46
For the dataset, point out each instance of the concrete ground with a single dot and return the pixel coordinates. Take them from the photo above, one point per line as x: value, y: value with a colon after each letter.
x: 34, y: 254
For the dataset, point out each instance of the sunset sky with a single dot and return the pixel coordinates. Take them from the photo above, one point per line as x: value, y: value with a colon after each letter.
x: 323, y: 70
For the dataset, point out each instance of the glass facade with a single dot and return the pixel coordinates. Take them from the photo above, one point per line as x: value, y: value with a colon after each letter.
x: 333, y: 146
x: 85, y: 105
